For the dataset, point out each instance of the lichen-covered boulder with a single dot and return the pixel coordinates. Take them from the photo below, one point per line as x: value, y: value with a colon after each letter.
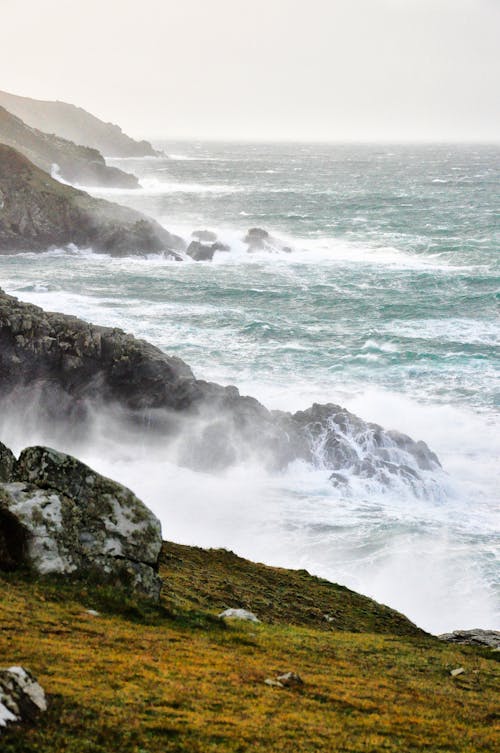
x: 60, y: 516
x: 21, y: 697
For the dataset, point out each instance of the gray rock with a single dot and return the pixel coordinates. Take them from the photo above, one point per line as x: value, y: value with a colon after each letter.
x: 22, y: 699
x: 290, y: 679
x: 475, y: 637
x: 456, y: 672
x: 238, y: 614
x: 60, y: 516
x: 39, y: 213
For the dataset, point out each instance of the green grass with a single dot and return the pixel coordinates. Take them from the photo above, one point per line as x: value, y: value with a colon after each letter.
x: 145, y: 679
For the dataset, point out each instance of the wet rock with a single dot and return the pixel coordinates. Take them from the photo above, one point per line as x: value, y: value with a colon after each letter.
x: 475, y: 637
x: 67, y: 519
x: 22, y: 699
x: 73, y: 370
x: 238, y: 614
x: 200, y: 251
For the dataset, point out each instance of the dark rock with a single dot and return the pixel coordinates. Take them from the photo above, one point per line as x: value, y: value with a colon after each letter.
x: 200, y: 251
x: 77, y: 125
x: 22, y: 699
x: 475, y: 637
x: 60, y: 516
x: 73, y: 369
x: 7, y: 462
x: 75, y: 164
x: 37, y: 213
x: 205, y: 236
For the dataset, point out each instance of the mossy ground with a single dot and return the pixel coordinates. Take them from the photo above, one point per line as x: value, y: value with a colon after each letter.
x: 144, y: 679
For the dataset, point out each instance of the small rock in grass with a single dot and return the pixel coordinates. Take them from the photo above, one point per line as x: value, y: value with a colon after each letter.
x: 238, y: 614
x: 290, y: 679
x: 92, y: 612
x: 21, y: 697
x: 457, y: 671
x: 273, y: 683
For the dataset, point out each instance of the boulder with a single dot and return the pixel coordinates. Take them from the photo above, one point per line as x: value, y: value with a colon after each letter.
x: 238, y: 614
x: 22, y: 699
x: 200, y: 251
x: 38, y: 213
x: 475, y: 637
x: 57, y: 515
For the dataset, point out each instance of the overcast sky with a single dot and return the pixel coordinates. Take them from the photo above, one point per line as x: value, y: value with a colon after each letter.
x: 277, y: 69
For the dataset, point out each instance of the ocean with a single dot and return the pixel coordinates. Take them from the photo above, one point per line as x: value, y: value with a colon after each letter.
x: 385, y: 300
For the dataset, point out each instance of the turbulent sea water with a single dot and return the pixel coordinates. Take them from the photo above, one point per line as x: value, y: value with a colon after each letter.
x: 387, y: 304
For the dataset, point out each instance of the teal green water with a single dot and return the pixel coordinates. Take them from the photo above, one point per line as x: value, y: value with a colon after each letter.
x: 388, y: 304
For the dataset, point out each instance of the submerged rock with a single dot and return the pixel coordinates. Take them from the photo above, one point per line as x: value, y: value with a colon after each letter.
x: 475, y: 637
x: 22, y: 699
x: 38, y: 213
x: 57, y: 515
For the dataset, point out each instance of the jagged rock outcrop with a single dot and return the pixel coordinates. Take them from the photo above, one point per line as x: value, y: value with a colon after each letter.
x: 37, y: 213
x: 77, y: 125
x: 22, y: 698
x: 476, y: 637
x: 57, y: 515
x: 74, y: 369
x: 71, y: 162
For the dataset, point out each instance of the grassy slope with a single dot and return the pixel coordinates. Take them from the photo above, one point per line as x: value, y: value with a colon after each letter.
x: 140, y: 679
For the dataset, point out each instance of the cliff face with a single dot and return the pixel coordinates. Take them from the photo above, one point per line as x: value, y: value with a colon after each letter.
x: 76, y: 164
x: 37, y: 212
x: 76, y: 124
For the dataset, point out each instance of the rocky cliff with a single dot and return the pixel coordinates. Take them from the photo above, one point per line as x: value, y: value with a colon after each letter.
x: 75, y: 164
x: 37, y: 213
x: 73, y: 370
x: 76, y: 124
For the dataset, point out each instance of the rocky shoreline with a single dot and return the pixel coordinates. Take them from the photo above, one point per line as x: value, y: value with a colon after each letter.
x: 38, y: 213
x: 72, y: 370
